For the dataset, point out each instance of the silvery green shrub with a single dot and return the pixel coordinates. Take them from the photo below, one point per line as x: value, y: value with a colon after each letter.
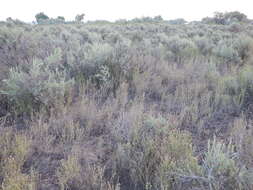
x: 85, y: 62
x: 245, y: 80
x: 220, y: 169
x: 226, y: 52
x: 243, y: 46
x: 181, y: 48
x: 42, y: 84
x: 204, y: 45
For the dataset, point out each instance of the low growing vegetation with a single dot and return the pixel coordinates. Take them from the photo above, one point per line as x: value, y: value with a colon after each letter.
x: 144, y: 104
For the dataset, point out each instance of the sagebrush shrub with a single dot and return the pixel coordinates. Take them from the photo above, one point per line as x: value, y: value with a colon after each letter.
x: 181, y: 48
x: 153, y: 153
x: 90, y: 61
x: 244, y: 46
x: 204, y: 45
x: 220, y: 169
x: 245, y: 80
x: 43, y: 83
x: 221, y: 160
x: 226, y: 53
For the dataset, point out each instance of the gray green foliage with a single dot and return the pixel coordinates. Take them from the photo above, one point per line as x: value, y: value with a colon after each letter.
x: 42, y: 84
x: 132, y: 104
x: 181, y: 48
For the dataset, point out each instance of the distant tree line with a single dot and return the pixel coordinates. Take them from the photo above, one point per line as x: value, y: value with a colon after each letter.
x: 219, y: 18
x: 42, y: 18
x: 226, y: 18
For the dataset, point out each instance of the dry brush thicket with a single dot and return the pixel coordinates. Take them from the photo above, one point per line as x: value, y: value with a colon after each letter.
x: 145, y: 104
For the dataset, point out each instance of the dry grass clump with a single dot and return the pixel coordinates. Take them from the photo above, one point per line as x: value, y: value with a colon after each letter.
x: 14, y: 152
x: 72, y: 175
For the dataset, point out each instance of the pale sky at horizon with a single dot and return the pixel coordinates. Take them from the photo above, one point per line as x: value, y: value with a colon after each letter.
x: 112, y: 10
